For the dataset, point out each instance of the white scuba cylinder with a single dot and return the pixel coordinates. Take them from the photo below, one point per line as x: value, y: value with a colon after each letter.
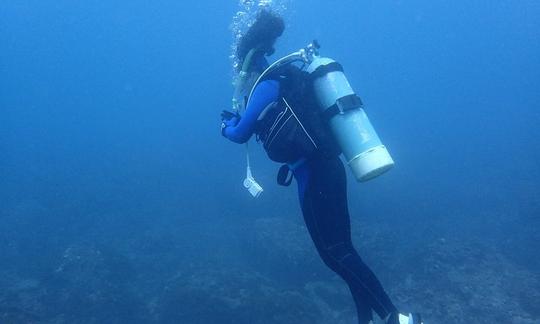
x: 361, y: 146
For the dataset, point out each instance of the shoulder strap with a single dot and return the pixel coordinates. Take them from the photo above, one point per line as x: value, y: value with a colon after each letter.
x: 266, y: 109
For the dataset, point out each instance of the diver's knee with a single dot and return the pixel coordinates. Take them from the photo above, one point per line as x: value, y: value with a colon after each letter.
x: 340, y: 252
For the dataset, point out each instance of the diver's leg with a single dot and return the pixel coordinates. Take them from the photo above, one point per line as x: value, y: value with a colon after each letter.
x: 363, y: 309
x: 325, y: 210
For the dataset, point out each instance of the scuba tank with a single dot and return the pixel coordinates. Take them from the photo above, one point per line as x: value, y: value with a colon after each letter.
x: 342, y: 108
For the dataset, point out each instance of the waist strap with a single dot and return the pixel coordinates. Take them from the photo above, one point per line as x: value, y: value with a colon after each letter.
x: 285, y: 175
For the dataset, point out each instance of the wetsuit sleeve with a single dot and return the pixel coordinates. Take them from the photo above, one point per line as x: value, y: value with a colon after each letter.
x: 263, y: 95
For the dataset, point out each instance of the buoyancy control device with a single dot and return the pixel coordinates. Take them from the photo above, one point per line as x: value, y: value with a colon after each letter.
x: 340, y: 107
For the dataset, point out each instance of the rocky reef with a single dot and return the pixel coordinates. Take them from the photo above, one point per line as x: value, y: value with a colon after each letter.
x: 275, y: 276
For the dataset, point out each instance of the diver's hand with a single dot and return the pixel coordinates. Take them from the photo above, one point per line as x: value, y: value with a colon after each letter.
x: 228, y: 115
x: 228, y: 119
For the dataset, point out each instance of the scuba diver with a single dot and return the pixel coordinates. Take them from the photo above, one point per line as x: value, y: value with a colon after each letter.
x: 277, y: 111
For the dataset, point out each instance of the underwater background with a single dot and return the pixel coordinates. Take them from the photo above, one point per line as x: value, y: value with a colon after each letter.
x: 120, y: 202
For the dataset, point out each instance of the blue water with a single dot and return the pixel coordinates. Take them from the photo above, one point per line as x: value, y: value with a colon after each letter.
x: 121, y: 203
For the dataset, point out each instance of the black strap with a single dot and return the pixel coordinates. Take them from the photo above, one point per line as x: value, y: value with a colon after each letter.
x: 325, y: 69
x: 285, y: 176
x: 342, y: 105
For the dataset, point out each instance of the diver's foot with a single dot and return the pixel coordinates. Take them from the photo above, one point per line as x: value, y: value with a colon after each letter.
x: 397, y: 318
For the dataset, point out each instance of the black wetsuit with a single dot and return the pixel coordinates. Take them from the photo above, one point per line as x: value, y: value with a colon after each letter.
x: 322, y: 189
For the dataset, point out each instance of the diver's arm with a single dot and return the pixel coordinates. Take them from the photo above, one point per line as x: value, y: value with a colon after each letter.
x: 264, y: 94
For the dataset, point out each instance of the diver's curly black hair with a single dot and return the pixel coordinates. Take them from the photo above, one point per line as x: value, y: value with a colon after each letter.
x: 268, y: 27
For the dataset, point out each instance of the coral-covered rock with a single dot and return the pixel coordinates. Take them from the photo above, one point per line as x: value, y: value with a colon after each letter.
x: 467, y: 282
x: 234, y: 296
